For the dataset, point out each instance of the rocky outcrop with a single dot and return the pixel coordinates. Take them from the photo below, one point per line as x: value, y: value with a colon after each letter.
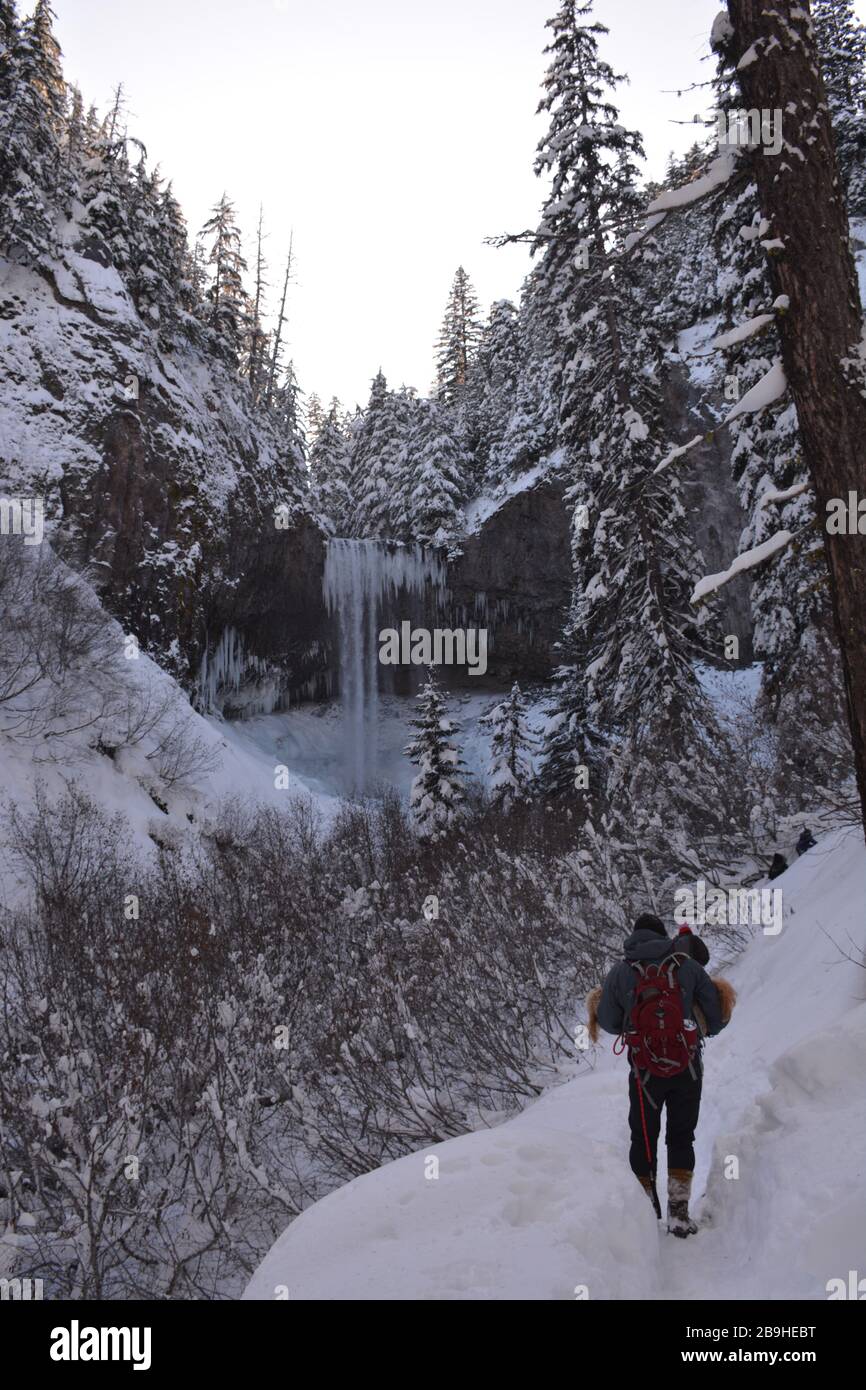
x: 514, y: 578
x: 159, y: 476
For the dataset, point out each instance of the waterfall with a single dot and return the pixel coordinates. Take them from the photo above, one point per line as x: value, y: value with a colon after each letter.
x: 363, y: 583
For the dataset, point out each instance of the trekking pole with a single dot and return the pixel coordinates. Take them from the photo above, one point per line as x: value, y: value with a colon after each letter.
x: 657, y: 1204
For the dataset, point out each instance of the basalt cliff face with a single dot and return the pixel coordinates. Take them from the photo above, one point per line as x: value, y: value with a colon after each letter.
x: 513, y: 577
x: 161, y: 480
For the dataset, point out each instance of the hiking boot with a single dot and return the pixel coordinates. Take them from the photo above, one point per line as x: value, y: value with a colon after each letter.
x: 649, y: 1188
x: 679, y: 1191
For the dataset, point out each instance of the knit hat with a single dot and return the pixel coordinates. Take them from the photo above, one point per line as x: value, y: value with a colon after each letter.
x: 648, y: 922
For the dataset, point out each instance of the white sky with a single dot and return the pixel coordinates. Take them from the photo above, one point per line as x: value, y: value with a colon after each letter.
x: 392, y: 135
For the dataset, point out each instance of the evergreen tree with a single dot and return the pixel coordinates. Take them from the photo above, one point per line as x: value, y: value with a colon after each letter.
x: 438, y: 791
x: 593, y: 164
x: 330, y: 471
x: 107, y: 192
x: 315, y: 417
x: 459, y: 340
x: 32, y: 123
x: 404, y: 411
x: 436, y: 460
x: 511, y: 749
x: 286, y: 411
x: 375, y: 463
x: 229, y: 314
x: 631, y: 639
x: 530, y: 432
x: 841, y: 40
x: 493, y: 383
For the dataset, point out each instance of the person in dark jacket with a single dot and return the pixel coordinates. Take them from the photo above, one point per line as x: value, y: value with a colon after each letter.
x: 679, y: 1096
x: 778, y: 866
x: 806, y: 841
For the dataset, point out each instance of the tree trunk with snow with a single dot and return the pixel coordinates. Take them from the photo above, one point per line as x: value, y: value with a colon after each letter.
x: 823, y: 351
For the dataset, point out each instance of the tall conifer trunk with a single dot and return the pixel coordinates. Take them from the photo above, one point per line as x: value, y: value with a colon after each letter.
x: 801, y: 195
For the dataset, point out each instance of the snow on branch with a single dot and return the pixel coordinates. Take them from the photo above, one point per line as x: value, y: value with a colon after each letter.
x: 717, y: 175
x: 749, y: 559
x: 786, y: 495
x: 743, y: 331
x: 769, y: 389
x: 678, y: 453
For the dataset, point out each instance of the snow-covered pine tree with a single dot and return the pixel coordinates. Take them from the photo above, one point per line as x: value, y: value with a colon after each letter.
x: 155, y: 243
x: 315, y: 417
x: 404, y: 407
x: 592, y: 162
x: 493, y: 382
x: 32, y: 124
x: 436, y: 460
x: 438, y: 792
x: 286, y: 410
x: 73, y: 145
x: 530, y: 432
x: 229, y: 311
x: 512, y: 745
x: 330, y: 471
x: 106, y: 190
x: 841, y: 41
x: 459, y: 340
x: 632, y: 639
x: 375, y: 463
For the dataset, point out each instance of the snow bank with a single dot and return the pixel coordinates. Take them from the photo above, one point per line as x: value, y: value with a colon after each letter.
x: 545, y: 1206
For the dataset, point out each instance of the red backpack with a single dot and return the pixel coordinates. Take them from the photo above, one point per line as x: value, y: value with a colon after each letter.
x: 661, y: 1041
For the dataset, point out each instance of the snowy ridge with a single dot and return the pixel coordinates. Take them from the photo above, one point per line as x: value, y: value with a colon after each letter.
x: 545, y: 1206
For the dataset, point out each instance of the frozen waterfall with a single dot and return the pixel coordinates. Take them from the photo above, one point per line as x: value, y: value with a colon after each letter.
x: 364, y: 584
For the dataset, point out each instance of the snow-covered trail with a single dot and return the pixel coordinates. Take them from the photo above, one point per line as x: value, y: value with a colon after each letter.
x: 545, y: 1207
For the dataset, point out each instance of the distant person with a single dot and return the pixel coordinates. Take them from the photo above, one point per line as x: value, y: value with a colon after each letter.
x: 778, y: 866
x: 652, y: 999
x: 806, y: 841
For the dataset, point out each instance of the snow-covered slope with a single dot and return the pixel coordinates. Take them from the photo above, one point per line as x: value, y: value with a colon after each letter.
x: 123, y: 732
x: 545, y: 1206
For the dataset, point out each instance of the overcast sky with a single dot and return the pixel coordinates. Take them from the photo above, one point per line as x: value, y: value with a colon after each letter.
x: 392, y: 135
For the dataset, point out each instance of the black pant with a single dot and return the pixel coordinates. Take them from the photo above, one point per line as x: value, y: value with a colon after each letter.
x: 681, y: 1096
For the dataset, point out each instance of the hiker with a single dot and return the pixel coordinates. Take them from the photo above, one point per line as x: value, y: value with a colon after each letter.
x: 778, y: 866
x: 806, y: 841
x: 660, y: 1000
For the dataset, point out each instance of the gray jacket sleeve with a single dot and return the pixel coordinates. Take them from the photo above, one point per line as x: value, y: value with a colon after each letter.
x: 707, y: 997
x: 611, y: 1009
